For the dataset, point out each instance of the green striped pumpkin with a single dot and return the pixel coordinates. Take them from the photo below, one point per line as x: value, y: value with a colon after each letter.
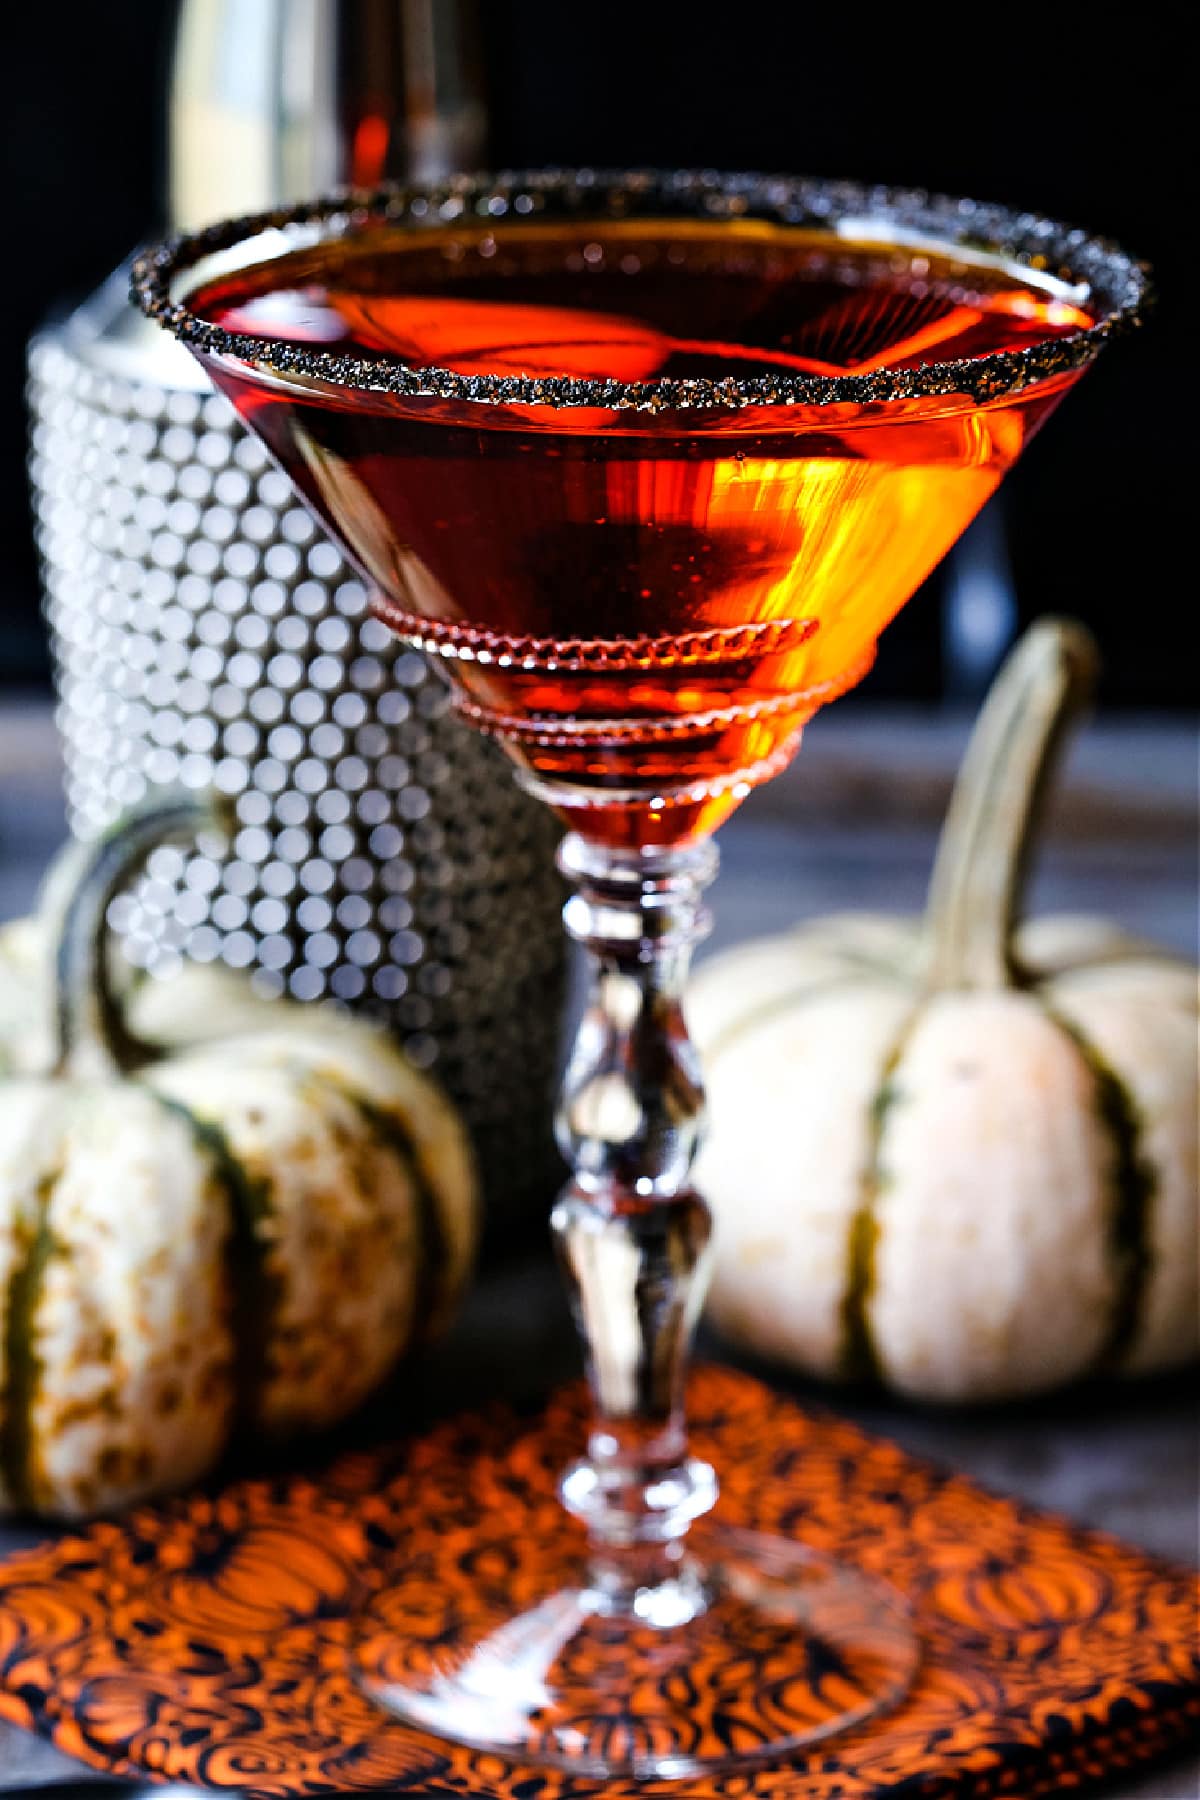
x: 217, y: 1213
x: 957, y: 1154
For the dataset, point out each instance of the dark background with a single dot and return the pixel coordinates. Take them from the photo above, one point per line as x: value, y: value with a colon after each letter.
x: 1057, y: 114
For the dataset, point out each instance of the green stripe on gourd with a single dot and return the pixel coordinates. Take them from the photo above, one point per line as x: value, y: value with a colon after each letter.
x: 966, y: 944
x: 388, y: 1133
x: 434, y: 1257
x: 22, y: 1366
x: 952, y: 1152
x: 252, y: 1203
x: 1132, y: 1194
x: 255, y: 1291
x: 858, y: 1359
x: 328, y: 1255
x: 89, y: 1030
x: 959, y: 1152
x: 91, y: 1019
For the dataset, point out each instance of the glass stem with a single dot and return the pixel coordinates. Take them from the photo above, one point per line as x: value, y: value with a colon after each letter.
x: 631, y: 1234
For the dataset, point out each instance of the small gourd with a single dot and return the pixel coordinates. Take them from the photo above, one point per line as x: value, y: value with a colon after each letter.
x: 953, y: 1154
x: 238, y: 1227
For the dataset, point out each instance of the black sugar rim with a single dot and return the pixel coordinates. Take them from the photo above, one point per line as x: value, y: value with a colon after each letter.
x: 1117, y: 284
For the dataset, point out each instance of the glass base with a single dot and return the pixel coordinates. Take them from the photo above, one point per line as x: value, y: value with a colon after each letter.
x: 761, y: 1647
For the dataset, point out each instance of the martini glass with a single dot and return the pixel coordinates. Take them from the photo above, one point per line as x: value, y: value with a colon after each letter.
x: 648, y: 462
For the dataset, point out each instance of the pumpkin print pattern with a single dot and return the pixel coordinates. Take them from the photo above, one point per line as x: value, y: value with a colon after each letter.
x: 214, y: 1639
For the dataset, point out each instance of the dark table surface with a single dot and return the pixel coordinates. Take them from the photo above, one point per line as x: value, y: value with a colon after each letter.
x: 852, y: 825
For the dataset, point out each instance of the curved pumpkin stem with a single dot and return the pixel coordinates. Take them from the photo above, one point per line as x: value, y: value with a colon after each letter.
x: 74, y: 901
x: 979, y: 872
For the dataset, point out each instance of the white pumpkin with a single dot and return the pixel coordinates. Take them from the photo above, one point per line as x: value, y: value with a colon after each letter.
x: 951, y: 1153
x: 216, y: 1212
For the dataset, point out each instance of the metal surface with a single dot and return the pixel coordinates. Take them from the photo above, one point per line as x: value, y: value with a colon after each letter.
x: 283, y: 99
x: 205, y: 631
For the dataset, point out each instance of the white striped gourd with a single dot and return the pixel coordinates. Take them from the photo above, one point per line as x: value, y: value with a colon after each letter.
x: 239, y: 1226
x: 955, y: 1154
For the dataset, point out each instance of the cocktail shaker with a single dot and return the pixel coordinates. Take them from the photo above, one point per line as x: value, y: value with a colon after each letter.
x: 205, y: 630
